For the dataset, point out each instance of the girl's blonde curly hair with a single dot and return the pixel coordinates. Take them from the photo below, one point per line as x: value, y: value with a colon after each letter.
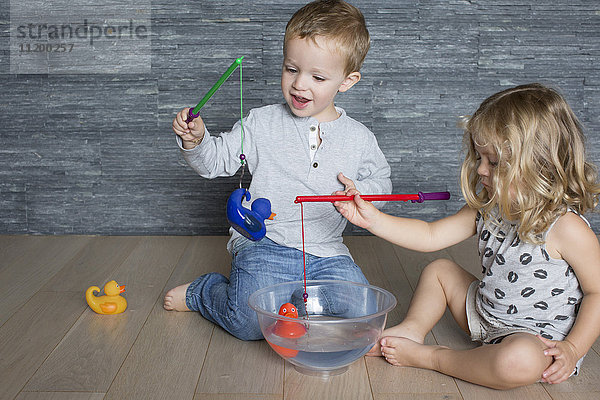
x: 542, y: 169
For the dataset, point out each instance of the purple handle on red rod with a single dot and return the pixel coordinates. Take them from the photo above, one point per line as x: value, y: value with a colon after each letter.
x: 432, y: 196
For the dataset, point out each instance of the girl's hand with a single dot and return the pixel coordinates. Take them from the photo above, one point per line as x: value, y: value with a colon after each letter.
x: 359, y: 212
x: 191, y: 134
x: 565, y: 358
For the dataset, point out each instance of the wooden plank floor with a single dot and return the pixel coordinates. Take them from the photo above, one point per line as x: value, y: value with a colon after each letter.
x: 52, y: 346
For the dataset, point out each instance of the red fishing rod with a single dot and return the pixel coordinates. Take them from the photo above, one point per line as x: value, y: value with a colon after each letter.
x: 415, y: 198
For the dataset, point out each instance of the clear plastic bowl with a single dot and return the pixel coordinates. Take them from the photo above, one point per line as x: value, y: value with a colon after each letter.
x: 339, y: 323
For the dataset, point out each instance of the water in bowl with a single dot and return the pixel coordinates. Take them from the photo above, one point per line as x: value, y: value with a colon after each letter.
x: 327, y: 347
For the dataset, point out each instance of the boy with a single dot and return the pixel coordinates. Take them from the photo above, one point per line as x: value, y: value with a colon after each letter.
x: 306, y: 146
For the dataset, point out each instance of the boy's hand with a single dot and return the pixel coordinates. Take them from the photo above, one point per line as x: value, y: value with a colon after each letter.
x: 565, y: 359
x: 348, y: 185
x: 191, y: 134
x: 359, y: 212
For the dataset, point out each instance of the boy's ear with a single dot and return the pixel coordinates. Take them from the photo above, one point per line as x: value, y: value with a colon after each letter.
x: 350, y: 81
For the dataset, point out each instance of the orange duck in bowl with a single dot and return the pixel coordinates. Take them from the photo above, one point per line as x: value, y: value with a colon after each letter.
x: 287, y: 329
x: 110, y: 303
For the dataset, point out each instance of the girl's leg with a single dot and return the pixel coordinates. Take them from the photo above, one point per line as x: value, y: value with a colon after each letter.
x: 443, y: 283
x: 516, y: 361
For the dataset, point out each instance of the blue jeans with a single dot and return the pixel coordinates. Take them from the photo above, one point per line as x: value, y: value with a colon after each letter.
x: 256, y: 265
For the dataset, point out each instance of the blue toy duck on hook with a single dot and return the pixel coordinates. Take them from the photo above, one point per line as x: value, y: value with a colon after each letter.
x: 248, y: 222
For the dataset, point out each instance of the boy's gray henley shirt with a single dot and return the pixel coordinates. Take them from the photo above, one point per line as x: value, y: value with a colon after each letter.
x: 276, y: 145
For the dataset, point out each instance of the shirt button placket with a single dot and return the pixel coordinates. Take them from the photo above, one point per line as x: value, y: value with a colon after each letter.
x: 313, y: 140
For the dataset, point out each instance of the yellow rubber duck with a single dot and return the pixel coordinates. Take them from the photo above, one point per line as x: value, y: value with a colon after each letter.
x: 111, y: 303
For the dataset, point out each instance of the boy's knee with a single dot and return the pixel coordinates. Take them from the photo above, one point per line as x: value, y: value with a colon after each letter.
x: 243, y: 324
x: 249, y: 332
x: 521, y: 362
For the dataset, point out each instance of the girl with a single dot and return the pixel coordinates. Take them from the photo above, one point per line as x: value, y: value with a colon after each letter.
x: 537, y: 307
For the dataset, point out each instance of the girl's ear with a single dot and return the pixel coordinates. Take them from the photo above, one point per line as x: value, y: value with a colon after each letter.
x: 350, y: 81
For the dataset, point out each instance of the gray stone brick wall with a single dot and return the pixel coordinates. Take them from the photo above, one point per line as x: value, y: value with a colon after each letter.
x: 93, y: 153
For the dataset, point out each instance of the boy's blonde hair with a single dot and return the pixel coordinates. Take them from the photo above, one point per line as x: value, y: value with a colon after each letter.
x: 542, y: 168
x: 335, y: 20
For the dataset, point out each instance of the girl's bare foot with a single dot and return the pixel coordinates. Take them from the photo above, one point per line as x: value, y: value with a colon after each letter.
x: 403, y: 352
x: 175, y: 299
x: 403, y: 329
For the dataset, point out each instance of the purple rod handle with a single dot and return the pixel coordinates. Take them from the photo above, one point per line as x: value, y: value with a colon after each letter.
x: 433, y: 196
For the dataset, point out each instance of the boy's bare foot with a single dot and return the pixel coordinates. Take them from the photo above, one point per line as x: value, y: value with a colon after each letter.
x: 175, y: 299
x: 401, y: 330
x: 403, y: 352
